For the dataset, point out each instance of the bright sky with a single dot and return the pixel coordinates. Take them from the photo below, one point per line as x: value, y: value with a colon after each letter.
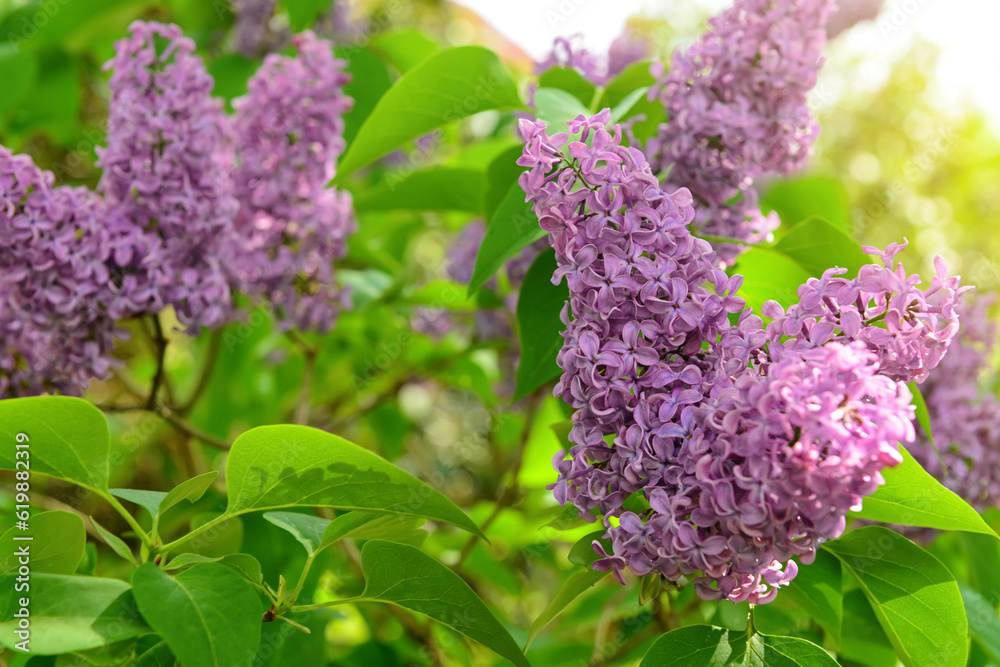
x: 965, y: 29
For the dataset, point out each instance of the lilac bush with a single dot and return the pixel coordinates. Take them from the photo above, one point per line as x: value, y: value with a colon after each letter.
x: 290, y: 227
x: 737, y: 109
x: 748, y: 445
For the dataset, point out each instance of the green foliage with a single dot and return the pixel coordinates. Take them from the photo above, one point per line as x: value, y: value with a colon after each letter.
x: 512, y: 227
x: 306, y: 466
x: 911, y: 497
x: 538, y: 320
x: 421, y: 434
x: 449, y: 85
x: 70, y: 613
x: 914, y: 596
x: 68, y: 436
x: 208, y: 615
x: 57, y: 543
x: 707, y: 646
x: 438, y: 189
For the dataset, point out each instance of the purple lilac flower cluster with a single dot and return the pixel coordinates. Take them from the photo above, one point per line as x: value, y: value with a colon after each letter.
x: 965, y: 418
x: 290, y: 226
x: 736, y: 101
x: 165, y: 227
x: 251, y: 26
x: 909, y: 329
x: 746, y: 448
x: 165, y: 180
x: 53, y: 254
x: 629, y: 47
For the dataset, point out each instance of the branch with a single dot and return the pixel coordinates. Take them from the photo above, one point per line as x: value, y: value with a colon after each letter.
x: 214, y: 344
x: 309, y: 354
x: 161, y: 349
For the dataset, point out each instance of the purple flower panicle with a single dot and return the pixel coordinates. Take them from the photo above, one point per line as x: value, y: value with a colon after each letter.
x: 165, y: 180
x: 290, y: 226
x: 53, y: 280
x: 736, y: 103
x: 745, y: 448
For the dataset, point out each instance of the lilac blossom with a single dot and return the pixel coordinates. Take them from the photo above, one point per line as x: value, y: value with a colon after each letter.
x: 748, y: 450
x: 253, y: 35
x: 165, y: 181
x: 567, y: 53
x: 965, y: 417
x: 629, y: 47
x: 736, y: 103
x: 884, y: 308
x: 53, y: 279
x: 290, y: 226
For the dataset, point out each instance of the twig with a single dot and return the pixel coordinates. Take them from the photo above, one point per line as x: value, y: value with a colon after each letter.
x: 214, y: 345
x: 174, y: 419
x: 161, y: 349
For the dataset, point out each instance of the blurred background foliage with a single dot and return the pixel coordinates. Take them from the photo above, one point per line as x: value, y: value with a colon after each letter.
x: 890, y: 163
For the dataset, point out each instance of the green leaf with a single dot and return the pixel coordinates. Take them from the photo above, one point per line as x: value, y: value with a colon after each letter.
x: 435, y: 189
x: 709, y: 646
x: 405, y: 48
x: 501, y: 174
x: 308, y: 530
x: 407, y: 577
x: 67, y: 437
x: 512, y: 227
x: 801, y: 198
x: 70, y: 613
x: 912, y: 497
x: 624, y: 109
x: 449, y: 85
x: 302, y: 13
x: 571, y: 81
x: 57, y: 543
x: 373, y: 526
x: 17, y: 71
x: 557, y: 107
x: 192, y: 490
x: 538, y: 309
x: 369, y: 81
x: 272, y: 467
x: 863, y: 640
x: 984, y: 623
x: 244, y: 565
x: 769, y: 275
x: 635, y: 77
x: 816, y: 245
x: 150, y: 500
x: 818, y: 590
x: 158, y: 655
x: 982, y: 553
x: 582, y: 553
x: 208, y: 615
x: 575, y: 585
x: 116, y: 543
x: 347, y: 525
x: 924, y: 419
x: 914, y: 596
